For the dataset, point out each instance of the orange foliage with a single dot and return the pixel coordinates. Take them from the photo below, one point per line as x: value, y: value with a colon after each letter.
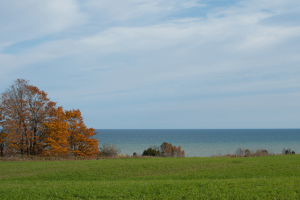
x: 40, y: 109
x: 16, y: 116
x: 166, y: 149
x: 183, y: 153
x: 33, y: 125
x: 169, y: 150
x: 80, y: 139
x: 56, y: 131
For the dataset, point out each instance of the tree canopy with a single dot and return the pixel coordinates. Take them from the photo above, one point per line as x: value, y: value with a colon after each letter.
x: 34, y: 125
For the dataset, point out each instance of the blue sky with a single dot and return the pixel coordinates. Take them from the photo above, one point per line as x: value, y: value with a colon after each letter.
x: 159, y: 63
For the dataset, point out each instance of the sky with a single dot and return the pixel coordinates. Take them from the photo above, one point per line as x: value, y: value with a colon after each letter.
x: 159, y: 64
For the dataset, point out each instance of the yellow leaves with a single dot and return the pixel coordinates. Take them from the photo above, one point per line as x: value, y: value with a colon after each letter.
x: 56, y: 130
x: 66, y: 133
x: 80, y: 140
x: 33, y: 124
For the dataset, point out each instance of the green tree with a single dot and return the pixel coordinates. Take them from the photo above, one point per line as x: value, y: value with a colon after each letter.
x: 151, y: 152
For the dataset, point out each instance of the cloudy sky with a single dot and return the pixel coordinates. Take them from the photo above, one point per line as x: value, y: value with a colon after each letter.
x: 159, y: 63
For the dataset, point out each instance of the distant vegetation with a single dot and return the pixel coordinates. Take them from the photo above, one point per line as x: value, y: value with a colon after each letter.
x: 288, y: 151
x: 165, y: 150
x: 259, y: 152
x: 151, y: 152
x: 108, y: 150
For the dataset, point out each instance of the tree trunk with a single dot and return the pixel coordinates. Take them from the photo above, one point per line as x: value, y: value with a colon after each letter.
x: 1, y: 149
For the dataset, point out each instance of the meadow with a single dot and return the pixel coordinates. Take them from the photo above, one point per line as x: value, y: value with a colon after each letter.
x: 267, y: 177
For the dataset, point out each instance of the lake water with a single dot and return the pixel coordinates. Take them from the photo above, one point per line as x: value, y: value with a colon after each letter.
x: 201, y: 142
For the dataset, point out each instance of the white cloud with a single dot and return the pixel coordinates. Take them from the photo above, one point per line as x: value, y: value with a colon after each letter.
x: 118, y: 10
x: 234, y: 53
x: 31, y: 19
x: 203, y: 46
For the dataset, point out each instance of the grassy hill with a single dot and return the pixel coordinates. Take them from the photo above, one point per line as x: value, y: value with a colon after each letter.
x: 272, y: 177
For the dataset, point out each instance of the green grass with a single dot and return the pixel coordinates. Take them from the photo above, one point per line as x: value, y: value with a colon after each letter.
x: 272, y: 177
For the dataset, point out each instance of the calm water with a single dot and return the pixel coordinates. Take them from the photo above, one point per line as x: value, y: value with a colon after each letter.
x: 200, y: 142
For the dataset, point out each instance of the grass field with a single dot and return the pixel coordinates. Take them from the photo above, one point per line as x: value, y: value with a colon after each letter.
x: 270, y: 177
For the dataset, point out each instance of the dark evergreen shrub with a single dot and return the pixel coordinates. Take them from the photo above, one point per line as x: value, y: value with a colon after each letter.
x: 288, y: 151
x: 264, y: 151
x: 150, y: 152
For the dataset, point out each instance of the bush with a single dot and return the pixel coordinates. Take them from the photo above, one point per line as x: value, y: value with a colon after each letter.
x: 261, y: 152
x: 264, y: 151
x: 240, y: 152
x: 110, y: 150
x: 151, y: 152
x: 247, y: 152
x: 288, y: 151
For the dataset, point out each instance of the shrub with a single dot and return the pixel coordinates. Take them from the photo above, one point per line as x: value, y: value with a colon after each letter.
x: 110, y: 150
x: 240, y: 152
x: 247, y: 152
x: 151, y: 152
x: 264, y: 151
x: 261, y: 152
x: 288, y: 151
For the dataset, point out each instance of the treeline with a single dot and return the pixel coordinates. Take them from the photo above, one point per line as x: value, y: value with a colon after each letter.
x: 34, y: 125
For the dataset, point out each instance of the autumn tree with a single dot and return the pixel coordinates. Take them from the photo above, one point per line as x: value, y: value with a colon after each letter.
x: 24, y: 109
x: 56, y: 131
x: 33, y: 125
x: 66, y: 133
x: 168, y: 150
x: 15, y: 116
x: 40, y: 108
x: 180, y: 153
x: 80, y: 138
